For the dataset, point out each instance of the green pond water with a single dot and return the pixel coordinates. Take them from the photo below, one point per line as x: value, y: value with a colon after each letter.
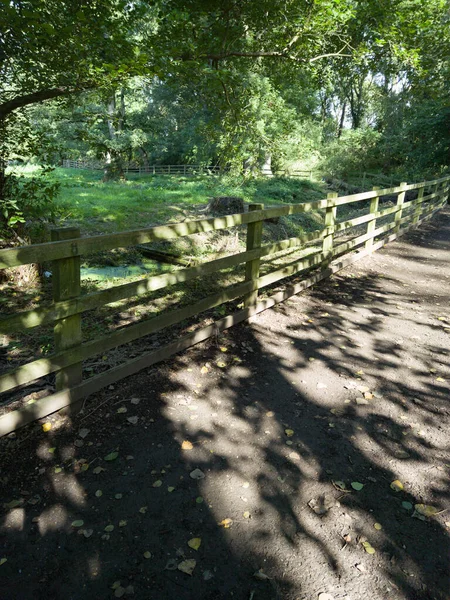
x: 124, y: 272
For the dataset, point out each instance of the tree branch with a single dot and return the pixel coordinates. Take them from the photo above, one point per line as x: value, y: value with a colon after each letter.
x: 20, y: 101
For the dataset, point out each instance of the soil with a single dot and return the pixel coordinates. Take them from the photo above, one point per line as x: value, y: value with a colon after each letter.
x: 255, y: 443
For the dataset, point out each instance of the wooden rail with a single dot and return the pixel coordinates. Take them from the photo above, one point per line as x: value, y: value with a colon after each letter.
x: 329, y: 255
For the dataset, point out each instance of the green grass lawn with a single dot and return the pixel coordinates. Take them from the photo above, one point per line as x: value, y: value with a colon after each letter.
x: 143, y: 201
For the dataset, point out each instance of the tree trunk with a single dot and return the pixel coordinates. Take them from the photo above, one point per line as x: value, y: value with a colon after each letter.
x: 114, y: 163
x: 342, y: 119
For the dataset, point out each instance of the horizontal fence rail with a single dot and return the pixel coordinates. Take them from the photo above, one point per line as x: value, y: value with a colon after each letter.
x: 329, y: 253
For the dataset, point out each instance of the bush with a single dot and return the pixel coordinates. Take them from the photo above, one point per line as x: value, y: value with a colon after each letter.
x: 26, y: 200
x: 356, y: 151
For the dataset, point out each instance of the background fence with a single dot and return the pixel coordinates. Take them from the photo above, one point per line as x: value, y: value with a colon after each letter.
x: 67, y: 247
x: 180, y: 170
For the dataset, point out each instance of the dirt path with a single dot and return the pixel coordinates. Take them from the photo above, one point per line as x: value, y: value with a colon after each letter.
x: 273, y: 417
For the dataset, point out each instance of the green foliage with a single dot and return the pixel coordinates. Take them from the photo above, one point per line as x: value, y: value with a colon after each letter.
x: 27, y: 199
x: 355, y: 151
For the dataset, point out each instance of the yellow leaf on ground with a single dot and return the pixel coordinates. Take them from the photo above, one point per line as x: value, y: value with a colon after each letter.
x: 204, y: 370
x: 289, y: 432
x: 397, y: 486
x: 195, y: 543
x: 368, y: 548
x: 157, y: 483
x: 186, y: 445
x: 378, y: 526
x: 147, y: 554
x: 46, y: 427
x: 187, y: 566
x: 426, y: 510
x: 2, y: 561
x: 225, y: 523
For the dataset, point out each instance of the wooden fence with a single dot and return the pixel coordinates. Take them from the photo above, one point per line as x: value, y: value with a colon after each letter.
x: 65, y: 312
x: 179, y: 170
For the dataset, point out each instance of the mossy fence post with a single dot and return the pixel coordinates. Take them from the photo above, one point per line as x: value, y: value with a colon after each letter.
x: 418, y: 207
x: 254, y: 237
x: 66, y: 286
x: 371, y: 225
x: 398, y: 214
x: 330, y: 221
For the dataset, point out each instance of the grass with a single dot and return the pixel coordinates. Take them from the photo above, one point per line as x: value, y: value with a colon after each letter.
x: 142, y: 201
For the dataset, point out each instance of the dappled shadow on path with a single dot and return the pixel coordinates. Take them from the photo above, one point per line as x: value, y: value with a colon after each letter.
x: 338, y: 386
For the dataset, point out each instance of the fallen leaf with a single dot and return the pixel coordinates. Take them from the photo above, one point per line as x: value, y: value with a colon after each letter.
x: 13, y: 503
x: 170, y: 488
x: 109, y: 528
x: 196, y: 474
x: 225, y: 523
x: 98, y: 470
x: 143, y: 510
x: 289, y: 432
x: 78, y: 523
x: 363, y: 389
x: 123, y: 523
x: 247, y: 515
x: 118, y: 496
x: 195, y: 543
x: 426, y: 510
x: 135, y: 400
x: 407, y: 505
x: 204, y: 370
x: 361, y: 401
x: 397, y: 486
x: 221, y: 364
x: 261, y: 575
x: 99, y: 493
x: 199, y: 500
x: 121, y: 410
x: 147, y: 554
x: 186, y: 445
x: 133, y: 420
x: 440, y: 379
x: 223, y: 349
x: 83, y: 433
x: 2, y: 561
x: 340, y: 485
x: 368, y: 548
x: 187, y: 566
x: 119, y: 591
x: 157, y: 483
x: 357, y: 486
x: 111, y: 456
x: 378, y: 526
x: 46, y: 427
x: 88, y: 532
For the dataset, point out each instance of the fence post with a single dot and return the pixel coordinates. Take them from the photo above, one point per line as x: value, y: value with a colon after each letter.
x: 371, y: 225
x: 418, y: 206
x: 398, y: 214
x: 330, y: 219
x: 254, y: 236
x: 66, y: 285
